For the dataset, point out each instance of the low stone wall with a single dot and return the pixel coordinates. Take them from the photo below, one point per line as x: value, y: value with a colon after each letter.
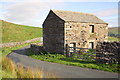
x: 12, y: 44
x: 36, y: 49
x: 108, y: 52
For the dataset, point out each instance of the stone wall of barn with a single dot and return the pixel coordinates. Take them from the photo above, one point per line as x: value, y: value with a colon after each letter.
x: 57, y: 33
x: 108, y: 52
x: 53, y: 34
x: 80, y: 33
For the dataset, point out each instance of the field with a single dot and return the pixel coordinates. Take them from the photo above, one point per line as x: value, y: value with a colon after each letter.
x: 114, y: 33
x: 16, y: 33
x: 113, y: 39
x: 114, y: 30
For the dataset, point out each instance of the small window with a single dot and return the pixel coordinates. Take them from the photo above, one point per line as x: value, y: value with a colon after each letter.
x: 92, y: 28
x: 70, y: 26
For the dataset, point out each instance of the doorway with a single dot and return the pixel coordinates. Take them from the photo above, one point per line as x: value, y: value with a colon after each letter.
x: 72, y: 45
x: 91, y: 45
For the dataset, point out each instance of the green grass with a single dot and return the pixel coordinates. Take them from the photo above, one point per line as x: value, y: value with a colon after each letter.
x: 113, y: 39
x: 58, y: 58
x: 6, y: 74
x: 114, y: 30
x: 16, y: 33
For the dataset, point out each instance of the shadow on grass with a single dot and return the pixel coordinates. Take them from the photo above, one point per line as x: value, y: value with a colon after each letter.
x: 77, y: 61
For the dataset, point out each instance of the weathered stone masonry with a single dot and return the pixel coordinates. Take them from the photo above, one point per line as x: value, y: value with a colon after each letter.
x: 53, y: 33
x: 108, y: 52
x: 80, y: 34
x: 74, y: 29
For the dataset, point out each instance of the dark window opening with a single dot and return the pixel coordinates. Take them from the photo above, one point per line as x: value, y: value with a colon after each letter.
x: 70, y: 26
x: 74, y: 44
x: 92, y: 28
x: 66, y: 45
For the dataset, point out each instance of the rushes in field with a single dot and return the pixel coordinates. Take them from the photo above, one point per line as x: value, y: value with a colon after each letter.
x: 8, y: 65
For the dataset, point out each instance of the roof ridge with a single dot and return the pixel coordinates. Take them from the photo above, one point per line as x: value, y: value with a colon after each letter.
x: 77, y: 16
x: 73, y: 12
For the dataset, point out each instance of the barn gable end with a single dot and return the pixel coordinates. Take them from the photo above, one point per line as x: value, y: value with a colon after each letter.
x: 53, y: 33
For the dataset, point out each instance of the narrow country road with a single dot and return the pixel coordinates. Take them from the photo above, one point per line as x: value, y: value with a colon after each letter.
x: 63, y: 71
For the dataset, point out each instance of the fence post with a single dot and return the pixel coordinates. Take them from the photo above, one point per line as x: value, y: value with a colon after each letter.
x: 75, y: 50
x: 67, y: 50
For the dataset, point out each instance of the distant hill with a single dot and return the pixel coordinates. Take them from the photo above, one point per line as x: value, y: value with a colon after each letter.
x: 15, y: 33
x: 114, y: 31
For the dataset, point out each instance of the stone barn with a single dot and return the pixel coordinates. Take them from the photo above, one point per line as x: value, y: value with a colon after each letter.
x: 74, y: 29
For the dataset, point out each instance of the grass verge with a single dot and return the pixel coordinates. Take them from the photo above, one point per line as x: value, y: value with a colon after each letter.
x: 59, y: 58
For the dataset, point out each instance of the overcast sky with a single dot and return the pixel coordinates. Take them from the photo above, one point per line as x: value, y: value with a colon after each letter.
x: 34, y: 12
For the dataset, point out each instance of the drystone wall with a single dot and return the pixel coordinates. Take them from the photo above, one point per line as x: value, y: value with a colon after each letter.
x: 13, y: 44
x: 36, y: 49
x: 108, y: 52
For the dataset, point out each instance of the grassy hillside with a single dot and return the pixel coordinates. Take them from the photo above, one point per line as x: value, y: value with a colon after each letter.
x: 114, y: 34
x: 16, y: 33
x: 114, y: 31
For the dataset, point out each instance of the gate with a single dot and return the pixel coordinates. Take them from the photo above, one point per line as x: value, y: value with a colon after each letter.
x: 86, y: 54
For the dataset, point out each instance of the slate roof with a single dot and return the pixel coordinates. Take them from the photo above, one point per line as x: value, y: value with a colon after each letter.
x: 77, y: 16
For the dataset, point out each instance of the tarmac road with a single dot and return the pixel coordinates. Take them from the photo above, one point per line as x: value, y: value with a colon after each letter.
x: 63, y: 71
